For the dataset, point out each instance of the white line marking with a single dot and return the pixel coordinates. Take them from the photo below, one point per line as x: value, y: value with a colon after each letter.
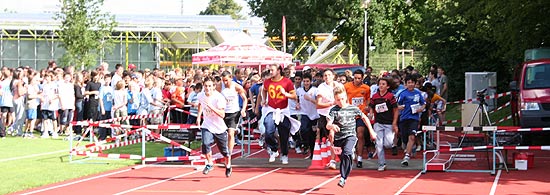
x: 257, y: 152
x: 408, y: 183
x: 495, y: 183
x: 320, y: 185
x: 83, y: 180
x: 242, y: 182
x: 32, y: 155
x: 158, y: 182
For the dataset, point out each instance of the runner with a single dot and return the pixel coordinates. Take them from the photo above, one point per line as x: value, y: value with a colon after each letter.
x: 411, y: 105
x: 231, y: 91
x: 384, y: 108
x: 341, y: 122
x: 277, y: 90
x: 212, y: 106
x: 325, y: 101
x: 359, y: 95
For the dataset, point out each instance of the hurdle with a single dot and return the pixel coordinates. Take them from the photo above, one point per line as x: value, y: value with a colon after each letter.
x: 442, y: 161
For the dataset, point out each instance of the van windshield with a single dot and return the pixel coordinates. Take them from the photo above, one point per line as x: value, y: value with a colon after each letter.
x: 537, y: 77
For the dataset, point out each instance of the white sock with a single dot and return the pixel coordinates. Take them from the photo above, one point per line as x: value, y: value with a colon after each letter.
x: 359, y: 158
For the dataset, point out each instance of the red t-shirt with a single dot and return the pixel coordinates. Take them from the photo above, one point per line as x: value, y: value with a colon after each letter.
x: 275, y: 98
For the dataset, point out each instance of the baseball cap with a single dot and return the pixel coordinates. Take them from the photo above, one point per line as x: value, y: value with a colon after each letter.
x: 131, y: 66
x: 306, y: 68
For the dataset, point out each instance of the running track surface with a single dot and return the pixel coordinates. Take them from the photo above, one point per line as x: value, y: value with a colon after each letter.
x: 171, y: 180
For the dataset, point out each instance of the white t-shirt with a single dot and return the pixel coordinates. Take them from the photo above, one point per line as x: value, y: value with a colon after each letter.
x: 232, y: 98
x: 156, y: 94
x: 49, y: 91
x: 119, y: 96
x: 115, y: 79
x: 211, y: 120
x: 306, y: 107
x: 67, y: 96
x: 327, y: 95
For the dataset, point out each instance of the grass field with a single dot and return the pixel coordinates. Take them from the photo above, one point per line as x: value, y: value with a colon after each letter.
x: 29, y: 163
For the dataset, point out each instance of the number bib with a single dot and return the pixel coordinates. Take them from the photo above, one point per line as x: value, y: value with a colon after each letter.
x: 382, y: 107
x: 356, y: 101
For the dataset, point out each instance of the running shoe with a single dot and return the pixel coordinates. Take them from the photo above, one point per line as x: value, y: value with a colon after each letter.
x: 382, y: 167
x: 207, y: 169
x: 284, y: 159
x: 332, y: 164
x: 342, y: 182
x: 228, y: 171
x: 273, y: 155
x: 359, y: 164
x: 405, y: 161
x: 298, y: 150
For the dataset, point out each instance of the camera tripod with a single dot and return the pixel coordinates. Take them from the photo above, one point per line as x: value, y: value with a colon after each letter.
x: 482, y: 110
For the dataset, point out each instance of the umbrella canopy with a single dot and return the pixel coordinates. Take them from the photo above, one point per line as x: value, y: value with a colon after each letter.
x: 242, y: 50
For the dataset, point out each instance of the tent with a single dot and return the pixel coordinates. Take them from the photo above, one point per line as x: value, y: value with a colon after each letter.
x: 241, y: 50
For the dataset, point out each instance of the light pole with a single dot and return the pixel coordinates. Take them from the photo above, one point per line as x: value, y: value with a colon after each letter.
x: 364, y: 6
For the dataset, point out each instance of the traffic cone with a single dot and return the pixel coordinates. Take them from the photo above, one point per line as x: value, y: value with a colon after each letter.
x: 317, y: 160
x: 324, y: 153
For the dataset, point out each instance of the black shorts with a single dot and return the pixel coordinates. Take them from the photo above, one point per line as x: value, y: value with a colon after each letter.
x: 231, y: 120
x: 322, y: 125
x: 48, y: 114
x: 66, y: 117
x: 407, y: 127
x: 5, y: 109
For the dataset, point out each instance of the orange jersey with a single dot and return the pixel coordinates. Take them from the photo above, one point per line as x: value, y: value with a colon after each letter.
x: 358, y: 95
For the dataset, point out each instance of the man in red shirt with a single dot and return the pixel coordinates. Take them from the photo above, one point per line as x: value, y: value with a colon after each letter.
x: 178, y: 99
x: 277, y: 90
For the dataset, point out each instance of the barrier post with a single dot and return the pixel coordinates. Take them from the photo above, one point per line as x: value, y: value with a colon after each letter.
x: 70, y: 146
x: 143, y: 147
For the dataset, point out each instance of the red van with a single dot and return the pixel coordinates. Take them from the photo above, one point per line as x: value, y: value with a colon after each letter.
x: 531, y: 89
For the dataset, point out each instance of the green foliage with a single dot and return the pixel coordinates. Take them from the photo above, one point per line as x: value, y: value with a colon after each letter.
x: 223, y: 7
x: 83, y: 28
x: 459, y: 35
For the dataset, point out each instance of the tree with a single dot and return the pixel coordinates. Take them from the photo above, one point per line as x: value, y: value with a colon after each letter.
x: 223, y: 7
x: 83, y: 28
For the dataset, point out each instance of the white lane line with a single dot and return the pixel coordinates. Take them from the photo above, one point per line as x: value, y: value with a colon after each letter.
x: 242, y: 182
x: 257, y: 152
x: 157, y: 182
x: 495, y: 183
x: 408, y: 183
x: 320, y: 185
x: 32, y: 155
x: 83, y: 180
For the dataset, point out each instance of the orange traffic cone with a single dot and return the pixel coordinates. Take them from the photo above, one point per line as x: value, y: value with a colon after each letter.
x: 324, y: 152
x: 317, y: 160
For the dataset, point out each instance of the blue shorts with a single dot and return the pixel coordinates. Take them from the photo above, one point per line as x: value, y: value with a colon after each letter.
x: 32, y: 113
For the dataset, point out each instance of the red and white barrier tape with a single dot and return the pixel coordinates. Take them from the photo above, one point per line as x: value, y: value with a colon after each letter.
x: 519, y: 129
x: 522, y: 147
x: 161, y: 126
x: 131, y: 117
x: 488, y: 97
x: 111, y: 156
x: 504, y: 119
x: 172, y: 158
x: 165, y: 139
x: 462, y: 149
x: 500, y: 108
x: 491, y: 147
x: 116, y: 145
x: 451, y: 121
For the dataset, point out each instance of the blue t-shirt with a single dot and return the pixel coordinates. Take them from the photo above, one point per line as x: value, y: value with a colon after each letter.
x: 106, y: 95
x: 410, y: 99
x: 131, y: 108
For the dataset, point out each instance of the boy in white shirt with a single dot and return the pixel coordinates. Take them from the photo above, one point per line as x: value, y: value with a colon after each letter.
x: 67, y: 101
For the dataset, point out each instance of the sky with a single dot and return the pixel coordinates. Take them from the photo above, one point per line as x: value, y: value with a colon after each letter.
x: 133, y: 7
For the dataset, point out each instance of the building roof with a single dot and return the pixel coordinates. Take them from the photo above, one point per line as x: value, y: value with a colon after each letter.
x: 190, y: 25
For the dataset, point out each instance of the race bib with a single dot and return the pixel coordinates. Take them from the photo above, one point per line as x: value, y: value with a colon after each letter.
x: 108, y: 97
x: 382, y: 107
x: 356, y: 101
x: 414, y: 108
